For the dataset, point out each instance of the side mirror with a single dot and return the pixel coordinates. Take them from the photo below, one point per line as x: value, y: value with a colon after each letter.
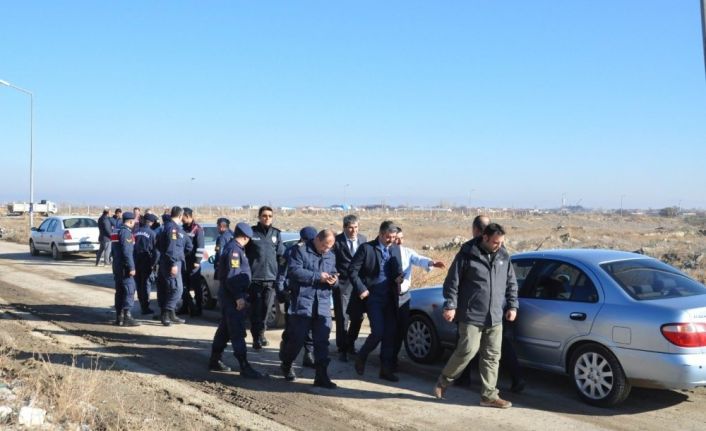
x: 211, y: 259
x: 34, y: 229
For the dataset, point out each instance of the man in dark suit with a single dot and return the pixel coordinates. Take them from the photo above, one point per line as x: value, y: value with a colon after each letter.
x: 348, y: 320
x: 373, y: 272
x: 105, y: 229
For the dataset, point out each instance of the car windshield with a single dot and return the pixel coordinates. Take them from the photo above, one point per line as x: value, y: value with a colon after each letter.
x: 210, y: 234
x: 645, y: 279
x: 79, y: 222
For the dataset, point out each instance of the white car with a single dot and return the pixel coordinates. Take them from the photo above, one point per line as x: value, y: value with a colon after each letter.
x: 64, y: 234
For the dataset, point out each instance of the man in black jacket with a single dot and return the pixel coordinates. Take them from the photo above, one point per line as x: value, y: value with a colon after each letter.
x: 105, y: 229
x: 480, y: 282
x: 264, y: 252
x: 373, y: 272
x: 348, y: 320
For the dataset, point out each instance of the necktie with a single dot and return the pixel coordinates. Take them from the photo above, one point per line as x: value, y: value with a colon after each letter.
x: 352, y: 246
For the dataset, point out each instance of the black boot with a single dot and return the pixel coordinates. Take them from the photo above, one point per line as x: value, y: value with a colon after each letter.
x: 246, y: 370
x: 308, y: 360
x: 215, y: 364
x: 387, y: 374
x: 263, y: 340
x: 322, y: 380
x: 287, y: 371
x: 359, y: 365
x: 165, y: 318
x: 128, y: 320
x: 174, y: 318
x: 119, y: 319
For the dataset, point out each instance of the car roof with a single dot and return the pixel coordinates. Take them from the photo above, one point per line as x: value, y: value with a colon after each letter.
x: 64, y: 217
x: 590, y: 256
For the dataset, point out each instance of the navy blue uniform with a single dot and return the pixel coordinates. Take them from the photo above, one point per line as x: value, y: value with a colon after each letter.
x: 221, y: 242
x: 235, y: 279
x: 171, y: 244
x: 284, y: 292
x: 264, y: 251
x: 146, y: 257
x: 192, y: 275
x: 123, y: 264
x: 310, y: 303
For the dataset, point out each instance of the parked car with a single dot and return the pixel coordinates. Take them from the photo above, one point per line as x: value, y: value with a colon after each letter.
x: 59, y: 235
x: 211, y: 285
x: 608, y: 319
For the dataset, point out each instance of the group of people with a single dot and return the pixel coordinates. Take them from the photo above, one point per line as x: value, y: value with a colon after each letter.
x: 360, y: 277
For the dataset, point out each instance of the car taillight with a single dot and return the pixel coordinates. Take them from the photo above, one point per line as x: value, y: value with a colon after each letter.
x: 685, y: 334
x: 67, y: 234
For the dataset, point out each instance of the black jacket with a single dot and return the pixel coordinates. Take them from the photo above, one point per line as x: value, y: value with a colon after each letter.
x: 264, y: 252
x: 477, y: 289
x: 365, y: 268
x: 105, y: 228
x: 343, y: 254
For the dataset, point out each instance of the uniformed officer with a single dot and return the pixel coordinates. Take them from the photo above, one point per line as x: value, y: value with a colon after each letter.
x: 124, y: 271
x: 146, y: 257
x: 192, y: 268
x: 224, y: 237
x: 264, y: 253
x: 172, y: 243
x: 283, y: 295
x: 312, y: 275
x: 235, y: 279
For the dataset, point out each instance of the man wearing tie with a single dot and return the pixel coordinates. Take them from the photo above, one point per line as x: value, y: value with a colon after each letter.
x: 374, y: 272
x: 348, y: 309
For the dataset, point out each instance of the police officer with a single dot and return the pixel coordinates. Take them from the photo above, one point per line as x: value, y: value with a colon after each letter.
x: 234, y: 278
x: 312, y: 275
x: 146, y: 257
x: 283, y: 295
x: 124, y: 271
x: 172, y: 244
x: 264, y: 253
x: 224, y: 237
x: 192, y: 268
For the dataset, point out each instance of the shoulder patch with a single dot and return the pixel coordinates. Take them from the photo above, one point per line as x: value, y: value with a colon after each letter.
x: 274, y: 239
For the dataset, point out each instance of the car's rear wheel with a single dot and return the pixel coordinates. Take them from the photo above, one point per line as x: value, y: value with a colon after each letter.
x: 55, y: 253
x: 421, y: 340
x: 598, y: 376
x: 209, y: 302
x: 32, y: 249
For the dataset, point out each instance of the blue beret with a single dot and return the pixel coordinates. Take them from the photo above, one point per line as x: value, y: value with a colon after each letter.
x: 223, y: 220
x: 308, y: 233
x: 128, y: 216
x: 243, y: 229
x: 150, y: 218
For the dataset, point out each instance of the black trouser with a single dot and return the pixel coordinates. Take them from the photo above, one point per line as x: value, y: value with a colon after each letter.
x: 144, y: 277
x: 303, y: 327
x: 262, y: 298
x: 402, y: 321
x: 192, y: 281
x: 341, y: 299
x: 308, y: 340
x: 356, y: 309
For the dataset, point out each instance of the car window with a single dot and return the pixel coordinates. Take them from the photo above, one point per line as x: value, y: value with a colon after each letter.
x: 79, y: 222
x: 289, y: 243
x: 645, y: 279
x: 560, y: 281
x: 52, y: 226
x: 45, y: 224
x: 522, y: 269
x: 210, y: 234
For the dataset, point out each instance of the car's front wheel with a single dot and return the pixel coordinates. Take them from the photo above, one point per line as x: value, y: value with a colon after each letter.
x: 421, y: 340
x: 32, y: 249
x: 55, y: 253
x: 598, y: 376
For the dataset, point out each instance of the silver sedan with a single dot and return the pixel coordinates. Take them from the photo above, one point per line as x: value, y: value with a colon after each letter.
x: 608, y: 319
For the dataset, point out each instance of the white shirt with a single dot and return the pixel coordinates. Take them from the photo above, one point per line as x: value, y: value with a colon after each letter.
x: 412, y: 258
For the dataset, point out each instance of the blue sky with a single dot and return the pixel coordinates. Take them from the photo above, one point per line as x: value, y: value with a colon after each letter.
x: 510, y: 103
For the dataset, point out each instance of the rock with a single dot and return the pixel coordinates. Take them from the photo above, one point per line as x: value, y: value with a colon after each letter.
x: 427, y: 247
x: 31, y: 416
x: 6, y: 394
x: 698, y: 258
x: 565, y: 237
x: 678, y: 234
x: 5, y: 413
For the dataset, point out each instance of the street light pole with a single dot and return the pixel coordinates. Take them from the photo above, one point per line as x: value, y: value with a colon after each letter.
x: 621, y: 205
x: 31, y: 148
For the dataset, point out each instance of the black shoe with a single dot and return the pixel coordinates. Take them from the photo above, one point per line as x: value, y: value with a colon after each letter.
x: 343, y: 356
x: 119, y: 319
x: 518, y: 385
x: 249, y: 372
x: 281, y: 350
x: 147, y: 310
x: 322, y: 379
x: 288, y: 372
x: 264, y: 342
x: 128, y: 320
x: 359, y: 365
x: 165, y: 318
x: 388, y: 375
x: 218, y: 365
x: 174, y: 318
x: 308, y: 360
x: 256, y: 344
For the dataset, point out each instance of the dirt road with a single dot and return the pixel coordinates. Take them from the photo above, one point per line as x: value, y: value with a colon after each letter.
x: 69, y: 302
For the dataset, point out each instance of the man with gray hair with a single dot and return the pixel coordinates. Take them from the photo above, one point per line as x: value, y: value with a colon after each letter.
x: 348, y: 310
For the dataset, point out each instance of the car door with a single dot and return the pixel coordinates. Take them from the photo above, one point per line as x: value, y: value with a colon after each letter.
x: 51, y: 233
x: 558, y: 302
x: 40, y: 241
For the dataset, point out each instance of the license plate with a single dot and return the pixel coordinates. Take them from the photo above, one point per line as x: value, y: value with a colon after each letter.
x: 85, y: 245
